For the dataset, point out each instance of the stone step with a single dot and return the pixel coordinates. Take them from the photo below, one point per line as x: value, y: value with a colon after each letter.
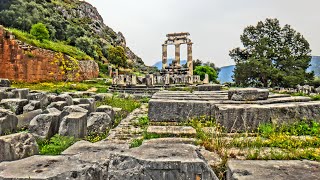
x: 172, y: 130
x: 264, y: 170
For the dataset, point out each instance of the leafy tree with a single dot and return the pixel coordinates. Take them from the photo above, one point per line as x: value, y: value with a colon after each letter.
x: 272, y: 56
x: 40, y: 31
x: 202, y: 70
x: 87, y: 45
x: 117, y: 56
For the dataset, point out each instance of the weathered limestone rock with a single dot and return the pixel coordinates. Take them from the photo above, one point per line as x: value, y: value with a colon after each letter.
x: 67, y: 98
x: 265, y: 170
x: 17, y: 146
x: 25, y: 118
x: 172, y: 130
x: 5, y: 83
x: 33, y: 105
x: 74, y: 124
x: 8, y: 121
x: 90, y: 101
x: 45, y: 125
x: 14, y: 105
x: 206, y: 79
x: 51, y: 110
x: 98, y: 122
x: 51, y: 167
x: 209, y: 87
x: 177, y: 110
x: 74, y: 108
x: 107, y: 109
x: 58, y: 105
x: 41, y: 97
x: 160, y: 161
x: 20, y: 93
x: 248, y: 94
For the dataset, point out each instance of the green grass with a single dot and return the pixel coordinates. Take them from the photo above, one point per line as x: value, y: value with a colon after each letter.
x: 46, y: 44
x: 126, y: 104
x: 56, y: 145
x: 136, y: 143
x: 60, y: 87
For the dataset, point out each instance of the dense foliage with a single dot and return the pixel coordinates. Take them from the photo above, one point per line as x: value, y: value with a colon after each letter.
x: 202, y: 70
x: 40, y: 31
x: 272, y: 56
x: 66, y: 22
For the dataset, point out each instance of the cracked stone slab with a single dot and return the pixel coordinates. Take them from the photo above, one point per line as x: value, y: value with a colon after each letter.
x: 51, y: 167
x: 172, y: 130
x: 265, y: 170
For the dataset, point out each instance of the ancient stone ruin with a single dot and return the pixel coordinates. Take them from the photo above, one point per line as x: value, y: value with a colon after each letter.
x: 23, y: 62
x: 237, y: 110
x: 171, y: 75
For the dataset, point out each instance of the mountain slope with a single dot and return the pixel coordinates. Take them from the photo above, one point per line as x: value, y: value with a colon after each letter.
x: 73, y: 22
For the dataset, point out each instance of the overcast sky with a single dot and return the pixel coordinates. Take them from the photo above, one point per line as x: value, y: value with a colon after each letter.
x: 215, y: 25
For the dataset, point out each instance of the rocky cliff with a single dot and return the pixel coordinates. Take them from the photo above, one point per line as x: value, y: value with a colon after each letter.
x: 67, y: 21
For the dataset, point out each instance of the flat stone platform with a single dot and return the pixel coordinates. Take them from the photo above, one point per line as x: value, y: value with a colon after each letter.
x: 179, y: 106
x: 279, y: 170
x: 175, y: 131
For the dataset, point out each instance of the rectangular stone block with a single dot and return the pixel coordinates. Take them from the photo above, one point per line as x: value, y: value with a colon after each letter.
x: 178, y: 110
x: 17, y: 146
x: 75, y: 124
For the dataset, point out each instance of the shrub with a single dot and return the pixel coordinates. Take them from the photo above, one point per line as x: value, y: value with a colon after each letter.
x: 40, y: 31
x: 202, y: 70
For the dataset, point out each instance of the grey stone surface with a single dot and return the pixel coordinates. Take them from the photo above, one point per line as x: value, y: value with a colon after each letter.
x: 98, y: 122
x: 74, y: 124
x: 33, y: 105
x: 58, y: 105
x: 66, y: 98
x: 14, y: 105
x: 8, y: 121
x: 172, y: 130
x: 210, y: 87
x: 45, y: 125
x: 90, y: 101
x: 25, y: 118
x: 265, y: 170
x: 248, y: 94
x: 160, y: 161
x: 107, y: 109
x: 41, y: 97
x: 51, y: 167
x: 177, y: 110
x: 74, y: 108
x: 17, y: 146
x: 21, y: 93
x: 5, y: 83
x: 250, y: 116
x: 51, y: 110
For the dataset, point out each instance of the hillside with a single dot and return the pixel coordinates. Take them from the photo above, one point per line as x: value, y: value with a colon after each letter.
x: 70, y: 22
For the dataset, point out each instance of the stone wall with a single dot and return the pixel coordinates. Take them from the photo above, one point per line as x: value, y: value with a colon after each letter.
x: 25, y: 63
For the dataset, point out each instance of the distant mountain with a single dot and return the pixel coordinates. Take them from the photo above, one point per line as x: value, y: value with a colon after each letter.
x: 315, y: 65
x: 225, y: 74
x: 159, y: 63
